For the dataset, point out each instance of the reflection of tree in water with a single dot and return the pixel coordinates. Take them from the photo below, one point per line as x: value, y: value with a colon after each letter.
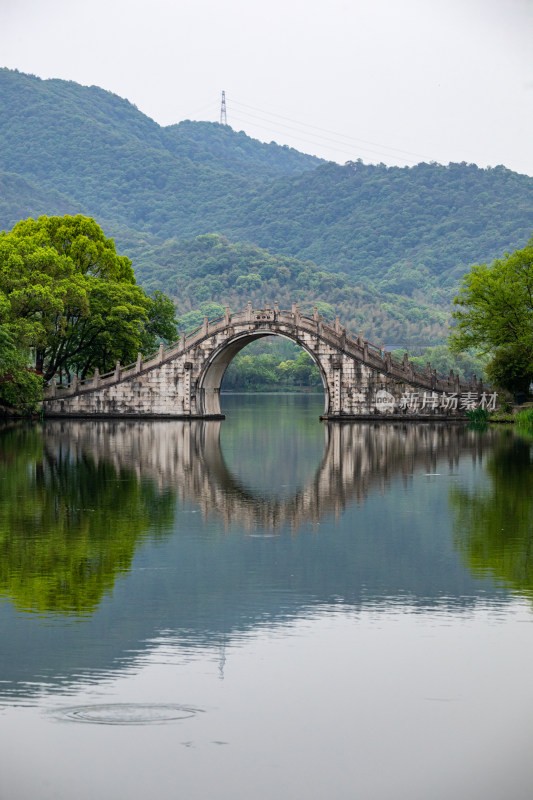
x: 69, y: 524
x: 493, y: 527
x: 77, y: 497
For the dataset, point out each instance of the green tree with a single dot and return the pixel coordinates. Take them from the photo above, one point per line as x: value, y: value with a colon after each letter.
x: 495, y: 316
x: 20, y: 387
x: 73, y: 299
x: 443, y: 360
x: 193, y: 319
x: 302, y: 371
x: 162, y: 323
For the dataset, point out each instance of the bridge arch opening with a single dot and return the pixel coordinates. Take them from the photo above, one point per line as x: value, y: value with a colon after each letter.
x: 210, y: 381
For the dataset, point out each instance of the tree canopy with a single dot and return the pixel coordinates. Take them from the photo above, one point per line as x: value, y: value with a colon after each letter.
x: 495, y: 316
x: 68, y: 295
x: 19, y: 387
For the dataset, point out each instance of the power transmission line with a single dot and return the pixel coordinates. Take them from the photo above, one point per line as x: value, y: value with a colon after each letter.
x: 346, y: 148
x: 348, y: 139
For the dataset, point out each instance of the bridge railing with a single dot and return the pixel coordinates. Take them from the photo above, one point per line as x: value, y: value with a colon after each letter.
x: 345, y: 340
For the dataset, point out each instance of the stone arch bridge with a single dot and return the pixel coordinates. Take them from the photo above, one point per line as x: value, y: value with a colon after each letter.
x: 183, y: 381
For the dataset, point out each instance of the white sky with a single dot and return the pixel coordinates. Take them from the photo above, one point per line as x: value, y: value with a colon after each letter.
x: 397, y: 81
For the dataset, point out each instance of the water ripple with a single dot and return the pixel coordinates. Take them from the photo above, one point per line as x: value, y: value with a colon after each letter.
x: 125, y: 713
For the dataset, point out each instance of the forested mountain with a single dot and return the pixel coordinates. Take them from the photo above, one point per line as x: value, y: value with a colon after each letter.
x: 103, y: 153
x: 21, y: 198
x: 395, y: 223
x: 212, y: 267
x: 383, y: 246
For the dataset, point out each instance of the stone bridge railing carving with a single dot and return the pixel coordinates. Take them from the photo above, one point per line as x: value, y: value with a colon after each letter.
x: 360, y: 380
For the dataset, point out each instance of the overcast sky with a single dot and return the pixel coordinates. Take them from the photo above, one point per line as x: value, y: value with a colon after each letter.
x: 398, y: 81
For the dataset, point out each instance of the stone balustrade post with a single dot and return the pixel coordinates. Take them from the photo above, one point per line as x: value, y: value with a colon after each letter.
x: 249, y: 311
x: 343, y: 337
x: 117, y: 371
x: 139, y: 362
x: 160, y: 353
x: 74, y: 384
x: 227, y: 316
x: 96, y: 377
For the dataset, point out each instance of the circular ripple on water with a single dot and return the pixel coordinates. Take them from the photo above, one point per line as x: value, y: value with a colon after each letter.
x: 126, y: 713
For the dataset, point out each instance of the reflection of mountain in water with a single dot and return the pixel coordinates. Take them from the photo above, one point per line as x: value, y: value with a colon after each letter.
x: 209, y: 580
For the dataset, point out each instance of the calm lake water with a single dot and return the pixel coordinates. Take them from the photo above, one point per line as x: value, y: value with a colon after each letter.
x: 267, y: 607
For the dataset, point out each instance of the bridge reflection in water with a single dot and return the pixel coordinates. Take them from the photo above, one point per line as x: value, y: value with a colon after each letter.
x: 187, y: 458
x: 102, y: 491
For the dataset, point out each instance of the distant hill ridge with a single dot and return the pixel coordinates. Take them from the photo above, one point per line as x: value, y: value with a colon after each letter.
x: 397, y: 232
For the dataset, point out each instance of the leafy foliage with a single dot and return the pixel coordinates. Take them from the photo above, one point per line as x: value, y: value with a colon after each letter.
x: 511, y: 368
x: 272, y: 364
x: 71, y: 297
x: 478, y: 417
x: 524, y: 419
x: 441, y: 358
x: 495, y: 315
x: 20, y: 388
x: 161, y: 325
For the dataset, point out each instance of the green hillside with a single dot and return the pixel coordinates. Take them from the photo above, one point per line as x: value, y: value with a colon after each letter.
x: 104, y: 154
x: 195, y: 272
x: 390, y: 223
x: 209, y: 214
x: 21, y: 198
